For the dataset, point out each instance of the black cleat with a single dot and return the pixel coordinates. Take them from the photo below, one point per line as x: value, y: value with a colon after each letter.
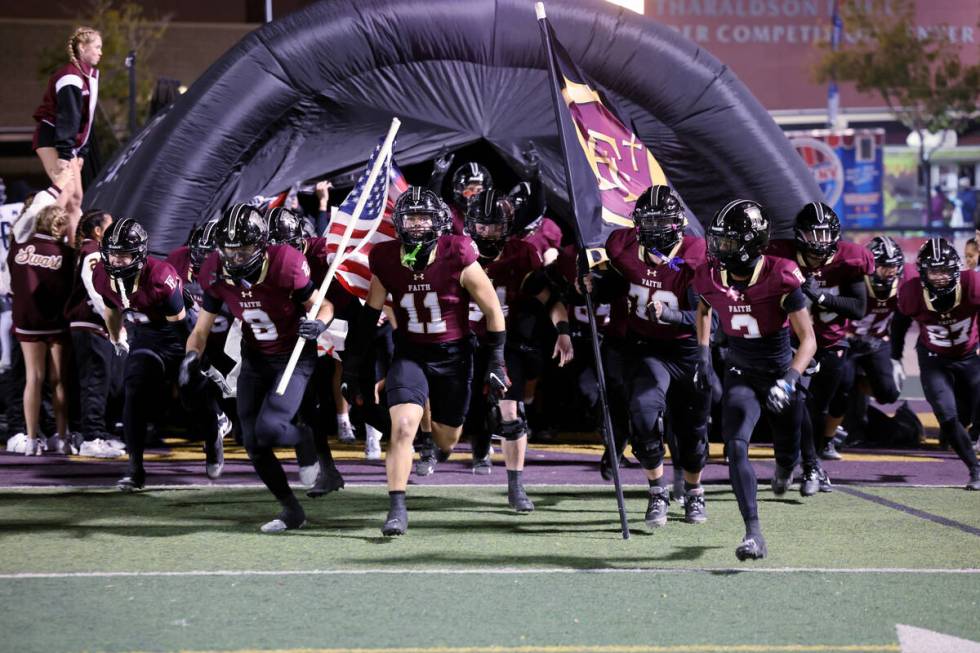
x: 518, y: 500
x: 781, y: 480
x: 753, y: 547
x: 694, y: 510
x: 131, y: 482
x: 442, y: 456
x: 605, y: 466
x: 974, y: 483
x: 657, y: 507
x: 809, y: 484
x: 426, y: 464
x: 482, y: 466
x: 327, y: 481
x: 396, y: 523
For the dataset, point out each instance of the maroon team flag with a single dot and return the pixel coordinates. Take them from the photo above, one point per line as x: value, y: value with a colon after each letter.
x: 607, y: 166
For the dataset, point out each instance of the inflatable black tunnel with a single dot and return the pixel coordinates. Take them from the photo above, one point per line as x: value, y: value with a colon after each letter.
x: 313, y: 93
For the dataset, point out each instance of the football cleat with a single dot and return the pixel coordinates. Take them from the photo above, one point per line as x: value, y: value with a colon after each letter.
x: 781, y: 480
x: 372, y: 444
x: 308, y: 474
x: 131, y: 483
x: 974, y: 483
x: 396, y: 523
x: 289, y: 519
x: 656, y: 514
x: 830, y: 452
x: 823, y: 481
x: 482, y: 466
x: 345, y: 433
x: 426, y: 464
x: 753, y: 547
x: 518, y: 500
x: 215, y: 460
x: 694, y: 510
x: 810, y: 484
x: 326, y: 482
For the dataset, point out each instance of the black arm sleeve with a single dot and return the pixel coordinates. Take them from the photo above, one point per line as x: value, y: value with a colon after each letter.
x: 68, y: 120
x: 678, y: 317
x: 211, y: 304
x: 174, y: 303
x: 436, y: 179
x: 794, y: 301
x: 300, y: 296
x: 851, y: 302
x: 900, y: 326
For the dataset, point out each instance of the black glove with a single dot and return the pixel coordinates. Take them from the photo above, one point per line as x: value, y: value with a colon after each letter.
x: 532, y: 161
x: 702, y: 369
x: 190, y: 368
x: 496, y: 381
x: 811, y: 290
x: 443, y: 160
x: 311, y: 329
x: 350, y: 381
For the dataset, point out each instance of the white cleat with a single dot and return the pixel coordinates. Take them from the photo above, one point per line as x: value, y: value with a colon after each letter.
x: 224, y: 426
x: 308, y: 474
x: 372, y: 444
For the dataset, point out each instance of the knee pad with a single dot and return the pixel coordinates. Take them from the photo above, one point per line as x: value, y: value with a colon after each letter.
x: 649, y: 449
x: 513, y: 430
x: 693, y: 452
x: 491, y: 419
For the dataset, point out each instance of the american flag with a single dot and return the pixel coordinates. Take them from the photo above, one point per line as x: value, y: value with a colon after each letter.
x: 374, y: 225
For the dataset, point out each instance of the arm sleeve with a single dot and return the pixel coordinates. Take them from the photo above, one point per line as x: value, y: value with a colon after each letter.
x: 682, y: 318
x: 900, y: 327
x: 88, y: 265
x: 173, y: 303
x: 210, y: 303
x: 436, y: 179
x: 69, y: 117
x: 851, y: 303
x: 794, y: 301
x: 300, y: 296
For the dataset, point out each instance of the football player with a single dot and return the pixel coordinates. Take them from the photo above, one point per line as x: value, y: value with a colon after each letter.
x: 945, y: 302
x: 834, y: 272
x: 652, y: 317
x: 754, y: 296
x: 431, y: 275
x: 148, y: 294
x: 512, y: 265
x: 268, y: 288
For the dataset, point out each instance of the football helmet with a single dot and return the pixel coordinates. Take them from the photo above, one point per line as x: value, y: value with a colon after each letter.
x: 489, y: 221
x: 201, y: 244
x: 241, y: 237
x: 817, y: 231
x: 738, y: 234
x: 469, y: 180
x: 659, y: 219
x: 285, y: 228
x: 939, y: 268
x: 420, y: 217
x: 124, y: 248
x: 889, y: 264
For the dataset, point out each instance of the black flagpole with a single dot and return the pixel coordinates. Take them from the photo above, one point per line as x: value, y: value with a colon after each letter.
x: 600, y: 373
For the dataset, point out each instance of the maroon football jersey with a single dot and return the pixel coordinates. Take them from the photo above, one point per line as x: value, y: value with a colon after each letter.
x: 757, y: 311
x: 850, y: 263
x: 430, y: 304
x: 649, y: 283
x: 507, y: 273
x: 79, y: 310
x: 41, y: 271
x: 952, y: 333
x: 149, y: 300
x: 545, y: 235
x: 877, y: 319
x: 316, y: 257
x: 270, y: 315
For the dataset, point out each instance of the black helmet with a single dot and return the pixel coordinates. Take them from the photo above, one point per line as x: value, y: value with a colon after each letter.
x: 817, y: 231
x: 659, y: 219
x: 887, y: 254
x: 471, y: 173
x: 285, y: 227
x: 124, y: 237
x: 738, y: 234
x: 939, y: 268
x: 418, y: 200
x: 242, y: 235
x: 489, y: 222
x: 202, y: 243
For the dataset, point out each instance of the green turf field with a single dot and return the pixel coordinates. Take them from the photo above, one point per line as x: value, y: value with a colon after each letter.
x: 188, y: 570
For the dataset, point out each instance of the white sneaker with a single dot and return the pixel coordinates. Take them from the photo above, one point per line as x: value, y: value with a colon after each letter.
x: 34, y: 447
x: 58, y: 444
x: 345, y: 432
x: 17, y: 443
x: 224, y: 426
x: 372, y: 444
x: 98, y: 448
x: 116, y: 444
x: 308, y: 474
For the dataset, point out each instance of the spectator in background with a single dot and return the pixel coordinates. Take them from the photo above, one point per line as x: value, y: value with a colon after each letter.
x: 970, y: 254
x: 968, y: 201
x: 939, y: 207
x: 66, y: 115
